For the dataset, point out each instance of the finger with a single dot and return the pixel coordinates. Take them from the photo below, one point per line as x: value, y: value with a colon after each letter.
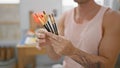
x: 41, y: 44
x: 60, y: 38
x: 56, y: 37
x: 52, y: 35
x: 40, y: 31
x: 41, y: 36
x: 53, y: 41
x: 40, y: 41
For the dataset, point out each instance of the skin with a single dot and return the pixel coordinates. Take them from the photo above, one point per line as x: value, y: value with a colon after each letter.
x: 109, y: 46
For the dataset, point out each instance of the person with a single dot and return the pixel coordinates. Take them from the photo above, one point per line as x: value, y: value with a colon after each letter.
x: 89, y: 37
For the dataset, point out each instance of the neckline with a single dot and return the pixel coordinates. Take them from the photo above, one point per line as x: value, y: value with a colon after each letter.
x: 96, y: 15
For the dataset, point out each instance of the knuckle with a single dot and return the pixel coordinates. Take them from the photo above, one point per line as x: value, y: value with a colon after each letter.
x: 42, y: 36
x: 41, y: 41
x: 40, y: 31
x: 60, y: 39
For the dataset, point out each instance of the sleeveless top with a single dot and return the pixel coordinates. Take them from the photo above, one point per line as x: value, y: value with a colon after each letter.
x: 85, y: 36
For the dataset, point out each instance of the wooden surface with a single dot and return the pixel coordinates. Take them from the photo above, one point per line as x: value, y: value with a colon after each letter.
x: 6, y: 53
x: 27, y: 53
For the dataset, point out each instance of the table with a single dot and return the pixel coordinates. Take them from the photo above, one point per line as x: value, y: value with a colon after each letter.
x: 27, y: 53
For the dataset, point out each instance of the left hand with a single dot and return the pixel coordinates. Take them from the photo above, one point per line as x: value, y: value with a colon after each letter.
x: 61, y: 45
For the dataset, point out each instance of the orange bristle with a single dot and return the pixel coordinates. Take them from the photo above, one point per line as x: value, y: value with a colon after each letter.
x: 42, y: 17
x: 35, y: 19
x: 38, y: 17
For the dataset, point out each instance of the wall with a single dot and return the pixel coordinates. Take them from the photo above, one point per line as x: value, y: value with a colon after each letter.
x: 9, y: 24
x: 37, y: 6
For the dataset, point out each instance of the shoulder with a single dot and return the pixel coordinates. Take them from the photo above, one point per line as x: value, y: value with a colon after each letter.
x: 112, y: 16
x: 111, y: 19
x: 66, y: 13
x: 61, y: 21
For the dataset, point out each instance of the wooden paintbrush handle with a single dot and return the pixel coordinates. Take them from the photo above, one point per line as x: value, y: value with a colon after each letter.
x: 46, y: 27
x: 50, y: 27
x: 56, y: 30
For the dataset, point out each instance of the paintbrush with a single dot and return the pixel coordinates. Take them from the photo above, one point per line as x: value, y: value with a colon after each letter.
x: 38, y: 20
x: 53, y: 23
x: 46, y: 21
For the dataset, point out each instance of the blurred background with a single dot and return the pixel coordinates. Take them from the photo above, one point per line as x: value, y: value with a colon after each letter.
x: 15, y: 23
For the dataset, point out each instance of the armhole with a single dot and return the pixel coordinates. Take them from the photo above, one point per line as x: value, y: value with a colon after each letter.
x: 61, y: 23
x: 103, y: 29
x: 107, y: 10
x: 64, y: 17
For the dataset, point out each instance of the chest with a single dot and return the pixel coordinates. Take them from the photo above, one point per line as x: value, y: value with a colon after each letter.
x: 85, y: 37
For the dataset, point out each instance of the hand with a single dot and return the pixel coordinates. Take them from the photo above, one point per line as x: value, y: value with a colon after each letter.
x: 42, y: 39
x: 61, y: 45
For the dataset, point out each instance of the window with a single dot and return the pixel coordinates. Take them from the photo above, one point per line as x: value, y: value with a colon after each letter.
x: 9, y: 1
x: 68, y: 3
x: 101, y: 2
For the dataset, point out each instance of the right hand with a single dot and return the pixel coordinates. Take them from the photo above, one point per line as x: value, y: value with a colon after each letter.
x: 42, y: 39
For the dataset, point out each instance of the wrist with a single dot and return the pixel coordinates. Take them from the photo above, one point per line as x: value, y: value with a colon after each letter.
x: 74, y: 51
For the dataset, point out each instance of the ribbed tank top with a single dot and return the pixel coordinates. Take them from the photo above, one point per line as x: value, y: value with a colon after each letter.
x: 85, y: 36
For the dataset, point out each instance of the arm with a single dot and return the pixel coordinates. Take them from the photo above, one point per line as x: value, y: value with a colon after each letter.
x: 50, y: 51
x: 109, y: 47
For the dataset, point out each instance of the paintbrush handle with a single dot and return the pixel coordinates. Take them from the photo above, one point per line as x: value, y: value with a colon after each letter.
x: 50, y: 27
x: 47, y: 28
x: 56, y: 30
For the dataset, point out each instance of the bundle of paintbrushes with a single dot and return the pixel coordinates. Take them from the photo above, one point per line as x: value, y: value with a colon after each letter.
x: 47, y: 21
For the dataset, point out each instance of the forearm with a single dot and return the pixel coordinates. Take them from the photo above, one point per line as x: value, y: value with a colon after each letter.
x: 89, y: 60
x: 51, y: 53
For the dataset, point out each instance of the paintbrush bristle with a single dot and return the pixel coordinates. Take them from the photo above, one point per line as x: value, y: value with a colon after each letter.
x: 44, y: 12
x: 45, y: 16
x: 35, y: 19
x: 39, y: 18
x: 42, y: 18
x: 51, y: 19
